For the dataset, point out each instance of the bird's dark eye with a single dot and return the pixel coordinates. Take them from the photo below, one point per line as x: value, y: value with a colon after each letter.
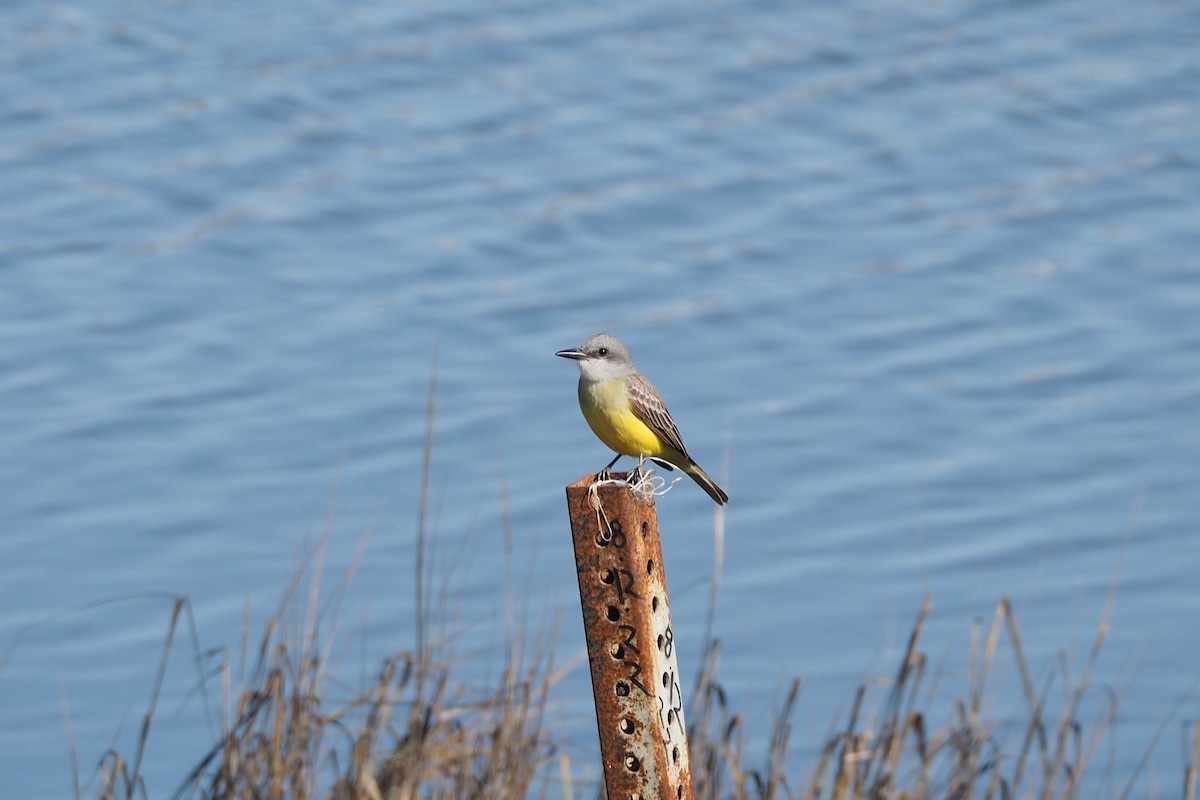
x: 603, y: 351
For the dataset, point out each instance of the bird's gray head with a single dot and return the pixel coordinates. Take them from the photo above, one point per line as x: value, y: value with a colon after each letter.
x: 601, y: 357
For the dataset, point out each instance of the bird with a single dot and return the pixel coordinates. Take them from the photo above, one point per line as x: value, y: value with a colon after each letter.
x: 627, y: 413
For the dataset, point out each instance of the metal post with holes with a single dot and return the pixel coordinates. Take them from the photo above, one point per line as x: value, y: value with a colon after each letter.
x: 630, y: 642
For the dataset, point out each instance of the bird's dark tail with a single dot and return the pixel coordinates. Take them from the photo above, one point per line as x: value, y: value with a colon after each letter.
x: 707, y: 483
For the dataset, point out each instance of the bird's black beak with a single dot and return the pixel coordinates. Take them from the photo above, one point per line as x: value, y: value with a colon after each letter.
x: 574, y: 355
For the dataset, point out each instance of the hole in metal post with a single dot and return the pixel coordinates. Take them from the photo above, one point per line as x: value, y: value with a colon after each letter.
x: 666, y: 679
x: 608, y: 576
x: 675, y: 754
x: 622, y: 689
x: 670, y: 716
x: 660, y: 641
x: 602, y: 540
x: 649, y: 567
x: 627, y: 726
x: 679, y: 793
x: 654, y: 604
x: 613, y: 613
x: 617, y: 651
x: 645, y: 528
x: 632, y: 764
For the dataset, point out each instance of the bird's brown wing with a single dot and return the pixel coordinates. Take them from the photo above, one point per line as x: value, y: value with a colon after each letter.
x: 648, y: 406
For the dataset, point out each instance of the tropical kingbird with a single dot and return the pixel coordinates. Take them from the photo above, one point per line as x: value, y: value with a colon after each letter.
x: 627, y: 412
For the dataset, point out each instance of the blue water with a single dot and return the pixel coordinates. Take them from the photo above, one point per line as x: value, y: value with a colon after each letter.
x: 924, y: 277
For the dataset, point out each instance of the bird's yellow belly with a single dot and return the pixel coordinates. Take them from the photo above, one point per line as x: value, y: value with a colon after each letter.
x: 606, y: 408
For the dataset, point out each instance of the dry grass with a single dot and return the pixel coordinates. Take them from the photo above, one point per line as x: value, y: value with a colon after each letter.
x: 409, y: 735
x: 899, y: 754
x: 417, y: 732
x: 290, y: 732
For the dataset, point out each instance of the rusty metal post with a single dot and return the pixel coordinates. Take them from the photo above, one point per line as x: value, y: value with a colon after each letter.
x: 1191, y: 775
x: 630, y: 642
